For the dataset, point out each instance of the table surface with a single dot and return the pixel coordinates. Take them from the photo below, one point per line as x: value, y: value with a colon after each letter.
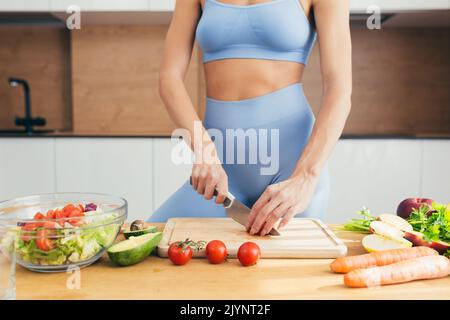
x: 157, y: 278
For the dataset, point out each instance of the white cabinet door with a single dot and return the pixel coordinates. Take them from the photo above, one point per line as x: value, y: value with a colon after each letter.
x: 436, y: 170
x: 121, y: 166
x: 162, y: 5
x: 24, y: 5
x: 377, y: 174
x: 168, y: 176
x: 26, y: 166
x: 100, y: 5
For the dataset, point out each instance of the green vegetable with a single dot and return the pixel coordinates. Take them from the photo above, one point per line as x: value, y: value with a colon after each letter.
x: 436, y: 226
x: 72, y: 245
x: 137, y: 233
x: 135, y: 249
x: 360, y: 225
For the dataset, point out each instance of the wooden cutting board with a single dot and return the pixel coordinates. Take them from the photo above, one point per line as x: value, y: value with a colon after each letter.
x: 302, y: 238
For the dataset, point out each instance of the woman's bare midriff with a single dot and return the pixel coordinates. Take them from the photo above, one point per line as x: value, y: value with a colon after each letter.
x: 238, y: 79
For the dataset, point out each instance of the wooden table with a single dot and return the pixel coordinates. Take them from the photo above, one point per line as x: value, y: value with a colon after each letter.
x: 157, y: 278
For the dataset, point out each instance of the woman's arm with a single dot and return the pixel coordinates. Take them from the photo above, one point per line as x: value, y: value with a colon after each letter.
x: 285, y: 199
x: 207, y: 174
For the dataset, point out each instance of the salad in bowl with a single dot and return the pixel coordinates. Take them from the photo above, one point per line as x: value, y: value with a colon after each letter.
x: 53, y: 232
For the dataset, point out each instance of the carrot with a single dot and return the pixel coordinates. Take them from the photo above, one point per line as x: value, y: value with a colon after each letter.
x: 428, y: 267
x: 380, y: 258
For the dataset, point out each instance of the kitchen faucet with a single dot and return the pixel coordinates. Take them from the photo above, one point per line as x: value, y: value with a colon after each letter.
x: 28, y: 121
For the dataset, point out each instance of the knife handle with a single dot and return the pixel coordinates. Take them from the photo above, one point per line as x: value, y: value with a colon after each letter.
x: 226, y: 203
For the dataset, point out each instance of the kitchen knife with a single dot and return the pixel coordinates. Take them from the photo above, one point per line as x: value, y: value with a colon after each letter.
x: 238, y: 211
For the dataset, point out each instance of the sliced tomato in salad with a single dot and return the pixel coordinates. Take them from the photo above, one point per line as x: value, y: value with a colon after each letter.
x: 43, y: 240
x: 77, y: 214
x: 28, y: 230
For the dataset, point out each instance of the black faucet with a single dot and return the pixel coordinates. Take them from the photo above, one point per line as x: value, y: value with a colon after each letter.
x: 28, y: 121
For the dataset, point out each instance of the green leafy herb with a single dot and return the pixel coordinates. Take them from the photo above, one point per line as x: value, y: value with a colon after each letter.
x: 362, y: 224
x: 435, y: 225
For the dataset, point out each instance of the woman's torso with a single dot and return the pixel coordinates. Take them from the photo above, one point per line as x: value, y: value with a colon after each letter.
x: 243, y: 78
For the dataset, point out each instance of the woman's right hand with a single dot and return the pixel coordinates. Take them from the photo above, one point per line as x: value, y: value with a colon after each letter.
x: 209, y: 177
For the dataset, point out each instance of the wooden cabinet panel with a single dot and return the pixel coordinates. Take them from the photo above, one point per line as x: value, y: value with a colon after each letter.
x: 41, y: 55
x: 115, y: 80
x: 401, y: 80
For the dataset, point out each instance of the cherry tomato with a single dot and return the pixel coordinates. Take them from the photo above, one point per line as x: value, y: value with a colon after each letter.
x: 249, y: 253
x: 42, y: 241
x: 28, y: 230
x: 50, y: 214
x: 68, y: 209
x: 38, y: 216
x: 77, y: 213
x: 180, y: 253
x: 216, y: 252
x: 50, y: 225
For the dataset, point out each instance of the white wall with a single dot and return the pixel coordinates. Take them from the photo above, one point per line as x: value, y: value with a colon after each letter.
x: 373, y: 173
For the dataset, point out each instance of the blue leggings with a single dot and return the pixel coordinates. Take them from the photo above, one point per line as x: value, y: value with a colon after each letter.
x: 281, y: 123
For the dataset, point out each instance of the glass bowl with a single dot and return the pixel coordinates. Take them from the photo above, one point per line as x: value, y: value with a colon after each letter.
x: 55, y: 232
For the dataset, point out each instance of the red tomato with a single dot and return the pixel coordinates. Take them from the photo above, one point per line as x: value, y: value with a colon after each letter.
x: 68, y: 209
x: 216, y: 252
x: 50, y: 214
x: 28, y: 230
x: 38, y: 216
x: 43, y: 242
x: 50, y: 225
x: 249, y: 253
x: 180, y: 253
x: 77, y: 213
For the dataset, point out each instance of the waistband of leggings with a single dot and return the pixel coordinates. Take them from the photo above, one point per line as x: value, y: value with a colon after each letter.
x: 256, y: 111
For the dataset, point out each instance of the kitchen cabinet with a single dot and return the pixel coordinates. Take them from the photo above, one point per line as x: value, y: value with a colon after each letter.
x: 356, y: 6
x: 101, y: 5
x: 377, y: 173
x: 26, y: 167
x: 162, y: 5
x: 389, y: 6
x: 24, y: 5
x: 121, y: 167
x: 167, y: 176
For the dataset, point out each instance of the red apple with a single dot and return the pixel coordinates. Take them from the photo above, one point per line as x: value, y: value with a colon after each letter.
x: 418, y: 239
x: 406, y: 207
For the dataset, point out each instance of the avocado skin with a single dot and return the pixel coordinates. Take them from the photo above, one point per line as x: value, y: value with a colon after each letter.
x: 137, y: 233
x: 137, y: 254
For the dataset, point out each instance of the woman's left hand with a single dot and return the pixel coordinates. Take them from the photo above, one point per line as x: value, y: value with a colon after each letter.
x: 283, y: 201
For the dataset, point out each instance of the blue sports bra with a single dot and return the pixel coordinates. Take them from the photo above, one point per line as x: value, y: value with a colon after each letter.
x: 275, y: 30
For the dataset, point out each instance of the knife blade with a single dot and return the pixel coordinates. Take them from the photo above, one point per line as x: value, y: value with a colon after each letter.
x: 238, y: 211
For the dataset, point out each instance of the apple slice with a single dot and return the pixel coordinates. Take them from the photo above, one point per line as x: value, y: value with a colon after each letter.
x: 388, y: 231
x: 375, y: 242
x: 418, y: 239
x: 395, y: 221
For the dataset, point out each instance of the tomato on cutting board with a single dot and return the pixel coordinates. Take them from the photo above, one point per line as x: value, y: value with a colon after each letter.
x: 216, y: 252
x: 249, y: 253
x: 180, y: 253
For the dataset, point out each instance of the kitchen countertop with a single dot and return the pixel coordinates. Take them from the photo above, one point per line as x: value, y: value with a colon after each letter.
x: 157, y: 278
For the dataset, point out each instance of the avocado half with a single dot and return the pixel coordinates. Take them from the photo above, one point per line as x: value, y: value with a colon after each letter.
x: 136, y: 233
x: 135, y: 249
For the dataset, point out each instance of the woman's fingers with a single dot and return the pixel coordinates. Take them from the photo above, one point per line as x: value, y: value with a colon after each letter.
x: 287, y: 217
x: 209, y: 189
x: 273, y: 218
x: 261, y: 202
x: 222, y: 190
x: 263, y: 214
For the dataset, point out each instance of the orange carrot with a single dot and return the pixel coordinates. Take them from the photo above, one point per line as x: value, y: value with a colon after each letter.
x: 428, y: 267
x: 379, y: 258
